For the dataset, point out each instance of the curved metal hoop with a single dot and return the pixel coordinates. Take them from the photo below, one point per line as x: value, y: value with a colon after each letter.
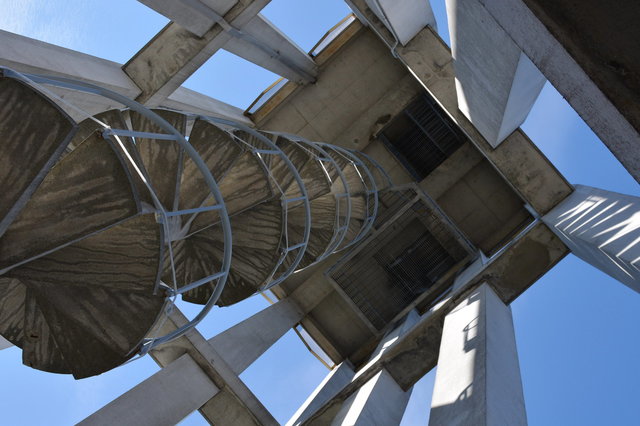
x: 171, y: 134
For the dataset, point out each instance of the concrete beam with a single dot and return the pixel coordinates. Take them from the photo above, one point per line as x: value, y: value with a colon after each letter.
x: 165, y: 398
x: 496, y: 83
x: 570, y: 79
x: 403, y: 18
x: 377, y: 399
x: 27, y: 55
x: 257, y: 41
x: 4, y: 343
x: 263, y: 44
x: 244, y: 343
x: 380, y: 401
x: 187, y: 16
x: 603, y: 229
x: 175, y: 53
x: 478, y: 379
x: 335, y: 381
x: 235, y: 404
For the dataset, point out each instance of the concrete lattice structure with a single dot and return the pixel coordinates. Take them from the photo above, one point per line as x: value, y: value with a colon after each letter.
x: 429, y: 276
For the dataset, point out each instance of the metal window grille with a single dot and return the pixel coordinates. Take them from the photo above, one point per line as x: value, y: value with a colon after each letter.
x: 422, y: 137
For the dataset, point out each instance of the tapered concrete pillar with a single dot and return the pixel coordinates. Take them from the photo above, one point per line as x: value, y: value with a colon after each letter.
x: 603, y: 229
x: 163, y: 399
x: 244, y: 343
x: 338, y: 378
x: 478, y: 378
x: 380, y: 401
x: 496, y: 83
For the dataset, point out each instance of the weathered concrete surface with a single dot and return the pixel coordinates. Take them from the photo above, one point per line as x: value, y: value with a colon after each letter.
x: 235, y: 403
x: 338, y: 378
x: 258, y: 41
x: 589, y: 54
x: 430, y: 62
x: 603, y: 229
x: 175, y: 53
x: 165, y: 398
x: 27, y: 55
x: 478, y: 379
x: 414, y: 354
x: 405, y: 18
x: 496, y: 83
x: 380, y: 401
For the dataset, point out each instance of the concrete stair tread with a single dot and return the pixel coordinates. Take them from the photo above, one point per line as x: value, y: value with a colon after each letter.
x: 33, y: 133
x: 219, y: 152
x: 244, y: 185
x: 76, y: 289
x: 162, y: 159
x: 255, y: 252
x: 86, y: 192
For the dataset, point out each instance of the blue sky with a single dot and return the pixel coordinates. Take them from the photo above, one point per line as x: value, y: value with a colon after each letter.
x: 576, y: 327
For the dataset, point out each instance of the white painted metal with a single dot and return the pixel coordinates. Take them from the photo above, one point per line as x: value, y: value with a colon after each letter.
x: 603, y: 229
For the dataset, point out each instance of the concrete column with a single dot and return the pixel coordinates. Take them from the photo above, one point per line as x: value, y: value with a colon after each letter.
x: 478, y: 378
x: 603, y: 229
x: 4, y: 343
x: 380, y: 401
x: 403, y: 18
x: 337, y: 379
x: 570, y: 79
x: 496, y: 83
x: 244, y: 343
x: 165, y: 398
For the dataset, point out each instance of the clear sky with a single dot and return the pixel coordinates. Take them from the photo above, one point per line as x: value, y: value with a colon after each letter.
x: 576, y: 328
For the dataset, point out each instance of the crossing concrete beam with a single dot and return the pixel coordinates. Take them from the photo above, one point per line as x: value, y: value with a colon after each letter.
x: 165, y: 398
x: 175, y: 53
x: 257, y: 41
x: 27, y: 55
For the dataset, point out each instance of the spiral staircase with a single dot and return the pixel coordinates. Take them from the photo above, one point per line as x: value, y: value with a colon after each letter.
x: 104, y: 223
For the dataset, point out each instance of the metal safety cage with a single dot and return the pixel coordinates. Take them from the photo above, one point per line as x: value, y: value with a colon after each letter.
x: 164, y: 214
x: 358, y: 175
x: 273, y: 160
x: 335, y: 179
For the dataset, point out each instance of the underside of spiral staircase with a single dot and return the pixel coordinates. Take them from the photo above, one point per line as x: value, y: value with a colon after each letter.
x: 104, y: 223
